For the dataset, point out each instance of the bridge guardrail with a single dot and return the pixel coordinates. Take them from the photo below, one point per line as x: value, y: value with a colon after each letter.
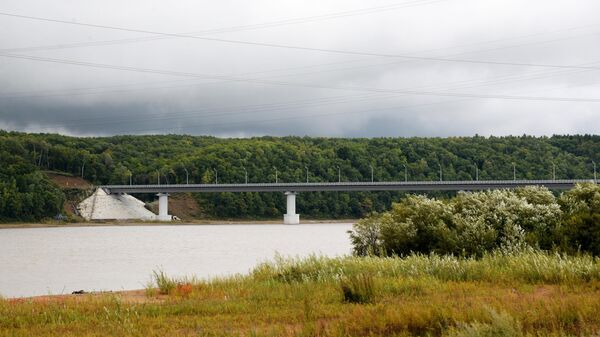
x: 342, y: 186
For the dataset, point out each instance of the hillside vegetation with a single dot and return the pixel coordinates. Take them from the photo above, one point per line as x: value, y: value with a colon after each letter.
x: 112, y: 160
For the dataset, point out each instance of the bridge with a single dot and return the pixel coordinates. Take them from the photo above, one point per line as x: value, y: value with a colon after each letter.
x: 291, y: 189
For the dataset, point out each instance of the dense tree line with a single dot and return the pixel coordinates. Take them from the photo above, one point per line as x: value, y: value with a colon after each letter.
x: 148, y: 159
x: 474, y: 223
x: 26, y: 194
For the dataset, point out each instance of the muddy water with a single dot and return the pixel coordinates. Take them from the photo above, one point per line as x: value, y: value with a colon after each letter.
x: 40, y: 261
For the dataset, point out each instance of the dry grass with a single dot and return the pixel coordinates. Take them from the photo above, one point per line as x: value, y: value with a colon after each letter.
x: 410, y: 297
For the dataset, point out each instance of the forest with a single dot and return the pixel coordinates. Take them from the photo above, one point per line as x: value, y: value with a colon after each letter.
x: 26, y: 194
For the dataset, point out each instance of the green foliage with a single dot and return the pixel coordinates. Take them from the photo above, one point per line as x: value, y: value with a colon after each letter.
x: 26, y: 194
x: 112, y: 160
x: 417, y: 224
x: 357, y: 288
x: 165, y: 284
x: 366, y: 236
x: 474, y: 223
x: 581, y: 229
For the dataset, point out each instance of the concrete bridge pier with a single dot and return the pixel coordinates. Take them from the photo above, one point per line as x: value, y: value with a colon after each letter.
x: 163, y: 207
x: 291, y: 218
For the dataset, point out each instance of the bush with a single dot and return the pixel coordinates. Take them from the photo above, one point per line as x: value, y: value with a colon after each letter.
x: 417, y: 224
x: 357, y: 288
x: 165, y: 284
x: 366, y: 236
x: 581, y: 229
x: 474, y: 223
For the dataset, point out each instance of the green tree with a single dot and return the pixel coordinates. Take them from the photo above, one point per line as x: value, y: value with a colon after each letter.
x: 581, y: 227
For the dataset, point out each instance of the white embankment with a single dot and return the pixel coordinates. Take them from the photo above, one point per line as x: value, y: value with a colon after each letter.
x: 102, y: 206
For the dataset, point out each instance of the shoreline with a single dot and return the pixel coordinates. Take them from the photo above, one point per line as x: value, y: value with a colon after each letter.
x: 128, y: 296
x: 172, y: 223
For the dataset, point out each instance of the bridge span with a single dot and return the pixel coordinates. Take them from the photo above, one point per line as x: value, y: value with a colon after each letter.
x: 290, y: 189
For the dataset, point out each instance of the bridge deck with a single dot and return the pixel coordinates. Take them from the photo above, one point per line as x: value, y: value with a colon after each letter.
x: 347, y: 186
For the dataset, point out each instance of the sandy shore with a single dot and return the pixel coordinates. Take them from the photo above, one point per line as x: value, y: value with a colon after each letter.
x: 174, y: 223
x: 127, y: 296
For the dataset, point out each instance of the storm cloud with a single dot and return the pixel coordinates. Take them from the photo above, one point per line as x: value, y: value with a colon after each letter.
x: 319, y: 68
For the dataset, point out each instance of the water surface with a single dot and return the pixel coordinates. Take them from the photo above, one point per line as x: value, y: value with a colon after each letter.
x: 40, y: 261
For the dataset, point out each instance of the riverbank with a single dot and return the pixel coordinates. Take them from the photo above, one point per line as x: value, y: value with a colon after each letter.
x: 528, y: 294
x: 125, y: 296
x: 172, y: 223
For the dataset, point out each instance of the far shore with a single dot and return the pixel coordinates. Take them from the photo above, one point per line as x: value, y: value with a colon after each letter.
x: 172, y: 223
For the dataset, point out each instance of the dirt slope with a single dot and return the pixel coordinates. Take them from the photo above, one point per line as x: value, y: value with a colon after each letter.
x: 181, y: 205
x: 65, y: 181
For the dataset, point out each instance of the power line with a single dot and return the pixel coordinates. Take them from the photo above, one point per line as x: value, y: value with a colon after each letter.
x: 297, y: 103
x: 78, y: 91
x: 279, y: 119
x: 292, y: 47
x: 498, y: 48
x: 82, y: 91
x: 258, y: 121
x: 52, y: 93
x: 233, y: 29
x: 92, y: 90
x: 304, y: 85
x: 234, y: 110
x: 315, y: 18
x: 270, y: 120
x: 245, y: 109
x: 285, y: 105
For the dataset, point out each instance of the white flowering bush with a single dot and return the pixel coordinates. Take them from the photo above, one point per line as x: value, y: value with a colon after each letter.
x: 473, y: 223
x: 417, y: 224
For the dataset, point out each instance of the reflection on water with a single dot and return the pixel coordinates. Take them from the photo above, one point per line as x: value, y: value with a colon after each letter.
x: 39, y: 261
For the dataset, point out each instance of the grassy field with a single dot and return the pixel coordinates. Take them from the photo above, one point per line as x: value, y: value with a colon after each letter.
x: 527, y: 294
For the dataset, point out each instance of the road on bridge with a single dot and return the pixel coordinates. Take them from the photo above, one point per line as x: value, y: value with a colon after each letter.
x: 346, y: 186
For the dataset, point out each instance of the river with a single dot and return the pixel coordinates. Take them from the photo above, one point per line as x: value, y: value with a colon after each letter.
x: 42, y: 261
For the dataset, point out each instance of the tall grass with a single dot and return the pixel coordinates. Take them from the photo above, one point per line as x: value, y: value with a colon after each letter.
x: 162, y: 284
x: 499, y: 325
x: 526, y: 294
x: 165, y: 284
x: 529, y: 266
x: 357, y: 288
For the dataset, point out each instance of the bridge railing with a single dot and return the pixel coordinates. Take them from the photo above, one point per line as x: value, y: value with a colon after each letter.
x: 342, y: 186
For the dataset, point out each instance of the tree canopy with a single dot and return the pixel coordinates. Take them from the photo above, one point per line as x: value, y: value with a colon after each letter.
x: 146, y: 159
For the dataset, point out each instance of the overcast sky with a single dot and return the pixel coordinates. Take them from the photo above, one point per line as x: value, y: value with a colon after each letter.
x: 390, y: 68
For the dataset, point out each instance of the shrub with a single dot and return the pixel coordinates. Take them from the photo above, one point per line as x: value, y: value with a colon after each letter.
x: 165, y: 284
x: 366, y: 236
x: 581, y: 229
x: 357, y: 288
x: 474, y: 223
x: 417, y: 224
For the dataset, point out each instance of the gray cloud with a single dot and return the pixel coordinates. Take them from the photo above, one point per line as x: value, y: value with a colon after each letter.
x: 300, y: 97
